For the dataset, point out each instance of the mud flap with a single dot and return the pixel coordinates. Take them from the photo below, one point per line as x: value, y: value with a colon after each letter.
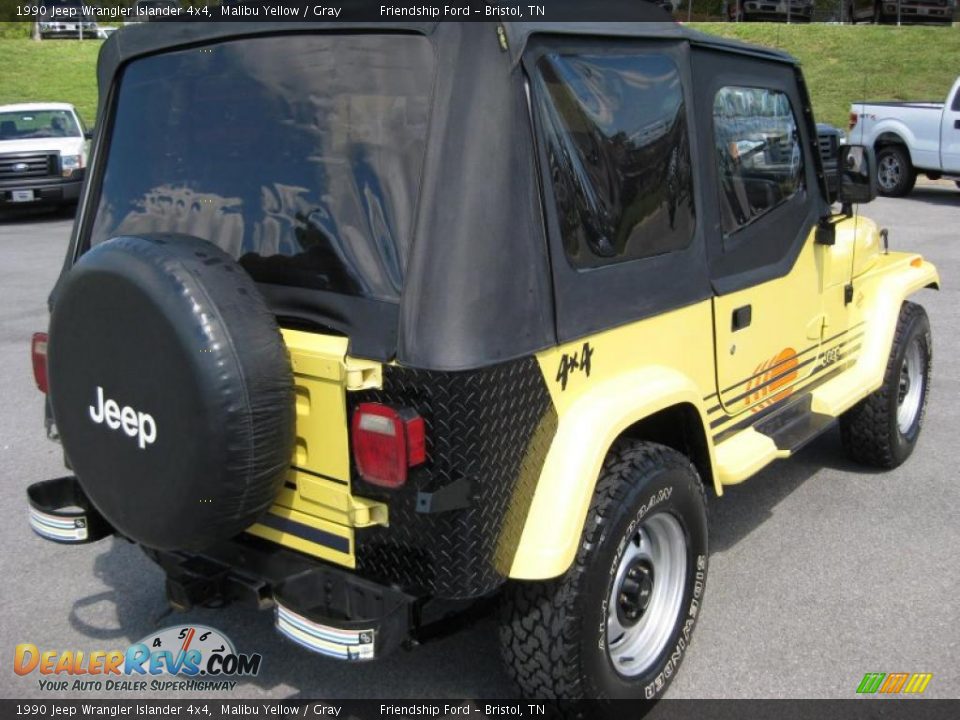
x: 343, y: 617
x: 61, y: 512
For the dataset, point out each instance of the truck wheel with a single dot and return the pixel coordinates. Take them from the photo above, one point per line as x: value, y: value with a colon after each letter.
x: 895, y: 175
x: 882, y: 429
x: 618, y: 623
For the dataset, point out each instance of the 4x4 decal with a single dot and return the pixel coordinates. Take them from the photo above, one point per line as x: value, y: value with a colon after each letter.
x: 574, y: 361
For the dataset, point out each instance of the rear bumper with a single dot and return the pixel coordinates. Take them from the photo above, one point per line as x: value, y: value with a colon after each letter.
x: 319, y: 606
x: 324, y: 608
x: 44, y: 191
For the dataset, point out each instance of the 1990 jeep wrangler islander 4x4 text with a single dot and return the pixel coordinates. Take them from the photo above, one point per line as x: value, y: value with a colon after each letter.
x: 366, y: 324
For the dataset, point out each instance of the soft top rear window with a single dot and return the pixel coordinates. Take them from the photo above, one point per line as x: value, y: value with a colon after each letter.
x: 298, y: 155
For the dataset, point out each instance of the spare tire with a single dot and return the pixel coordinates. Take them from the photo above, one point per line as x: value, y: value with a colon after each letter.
x: 171, y: 388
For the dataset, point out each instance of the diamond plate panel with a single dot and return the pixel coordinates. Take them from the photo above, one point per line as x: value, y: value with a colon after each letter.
x: 492, y: 427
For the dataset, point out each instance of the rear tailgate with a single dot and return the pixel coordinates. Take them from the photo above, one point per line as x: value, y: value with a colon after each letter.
x: 315, y: 512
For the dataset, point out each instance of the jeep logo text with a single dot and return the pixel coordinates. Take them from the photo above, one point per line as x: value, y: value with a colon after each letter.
x: 134, y: 423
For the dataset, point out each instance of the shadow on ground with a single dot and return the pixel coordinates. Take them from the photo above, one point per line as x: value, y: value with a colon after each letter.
x: 37, y: 213
x: 744, y: 508
x: 936, y: 195
x: 465, y: 664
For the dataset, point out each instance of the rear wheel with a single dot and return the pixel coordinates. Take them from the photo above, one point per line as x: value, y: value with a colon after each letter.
x: 882, y: 429
x: 617, y: 624
x: 895, y: 175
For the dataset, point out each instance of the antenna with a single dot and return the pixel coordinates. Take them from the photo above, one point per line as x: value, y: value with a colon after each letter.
x: 848, y: 292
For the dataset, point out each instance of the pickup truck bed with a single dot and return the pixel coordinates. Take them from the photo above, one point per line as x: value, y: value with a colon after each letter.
x: 910, y: 138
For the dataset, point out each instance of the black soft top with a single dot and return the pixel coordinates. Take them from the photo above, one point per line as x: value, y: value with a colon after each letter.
x: 648, y: 21
x: 478, y: 287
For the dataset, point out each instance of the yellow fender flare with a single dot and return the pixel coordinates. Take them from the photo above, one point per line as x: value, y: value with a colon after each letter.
x: 880, y: 292
x: 585, y: 433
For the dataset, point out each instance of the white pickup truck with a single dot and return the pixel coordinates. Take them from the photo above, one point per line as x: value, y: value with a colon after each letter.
x: 910, y: 138
x: 43, y: 154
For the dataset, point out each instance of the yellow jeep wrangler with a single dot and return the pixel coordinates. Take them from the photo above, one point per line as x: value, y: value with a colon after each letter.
x: 366, y: 325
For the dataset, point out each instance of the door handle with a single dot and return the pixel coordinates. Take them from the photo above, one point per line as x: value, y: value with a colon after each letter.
x: 742, y: 317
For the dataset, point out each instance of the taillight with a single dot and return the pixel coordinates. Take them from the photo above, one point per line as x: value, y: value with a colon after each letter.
x: 386, y: 442
x: 38, y: 353
x: 853, y: 120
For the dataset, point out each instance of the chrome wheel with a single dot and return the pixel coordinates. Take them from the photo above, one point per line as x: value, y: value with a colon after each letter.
x: 910, y: 395
x: 889, y: 172
x: 647, y: 594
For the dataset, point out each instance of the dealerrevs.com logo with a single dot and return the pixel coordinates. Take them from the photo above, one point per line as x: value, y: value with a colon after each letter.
x: 177, y: 658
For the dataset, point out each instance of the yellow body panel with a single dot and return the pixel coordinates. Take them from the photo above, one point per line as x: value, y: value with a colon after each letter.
x: 635, y: 371
x: 298, y: 538
x: 329, y: 500
x: 878, y: 295
x: 319, y: 379
x: 604, y: 384
x: 743, y: 455
x: 316, y: 502
x: 642, y: 368
x: 758, y: 365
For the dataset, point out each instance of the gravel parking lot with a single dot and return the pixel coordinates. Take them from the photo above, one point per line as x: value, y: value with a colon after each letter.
x: 820, y: 572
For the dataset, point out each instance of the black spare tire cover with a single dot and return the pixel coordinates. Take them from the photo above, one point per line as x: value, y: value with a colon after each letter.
x: 171, y: 388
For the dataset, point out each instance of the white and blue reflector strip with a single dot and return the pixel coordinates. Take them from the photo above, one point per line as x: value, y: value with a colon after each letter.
x: 326, y: 640
x: 59, y: 528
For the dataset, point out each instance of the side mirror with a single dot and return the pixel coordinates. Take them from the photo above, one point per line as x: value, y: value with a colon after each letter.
x: 88, y: 134
x: 858, y: 179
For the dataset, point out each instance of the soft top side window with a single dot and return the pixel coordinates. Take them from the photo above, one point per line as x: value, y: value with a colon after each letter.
x: 758, y: 153
x: 618, y: 154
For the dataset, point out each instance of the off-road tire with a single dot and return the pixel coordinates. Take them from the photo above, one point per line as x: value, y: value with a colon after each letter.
x: 908, y: 175
x: 553, y: 633
x: 870, y: 431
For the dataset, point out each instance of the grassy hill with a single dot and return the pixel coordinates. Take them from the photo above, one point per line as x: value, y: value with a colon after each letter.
x: 846, y: 63
x: 841, y: 63
x: 52, y: 70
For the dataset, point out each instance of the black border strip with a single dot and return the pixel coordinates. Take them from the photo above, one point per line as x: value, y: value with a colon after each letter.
x: 818, y: 344
x: 311, y: 534
x: 806, y: 362
x: 728, y: 432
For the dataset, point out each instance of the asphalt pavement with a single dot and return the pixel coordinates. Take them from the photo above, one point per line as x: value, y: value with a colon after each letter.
x: 820, y: 571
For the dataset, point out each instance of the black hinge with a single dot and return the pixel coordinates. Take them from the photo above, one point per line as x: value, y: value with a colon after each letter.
x: 453, y: 496
x: 848, y: 293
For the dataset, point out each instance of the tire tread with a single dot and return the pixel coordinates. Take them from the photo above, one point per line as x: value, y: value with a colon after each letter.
x: 539, y: 620
x: 865, y: 428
